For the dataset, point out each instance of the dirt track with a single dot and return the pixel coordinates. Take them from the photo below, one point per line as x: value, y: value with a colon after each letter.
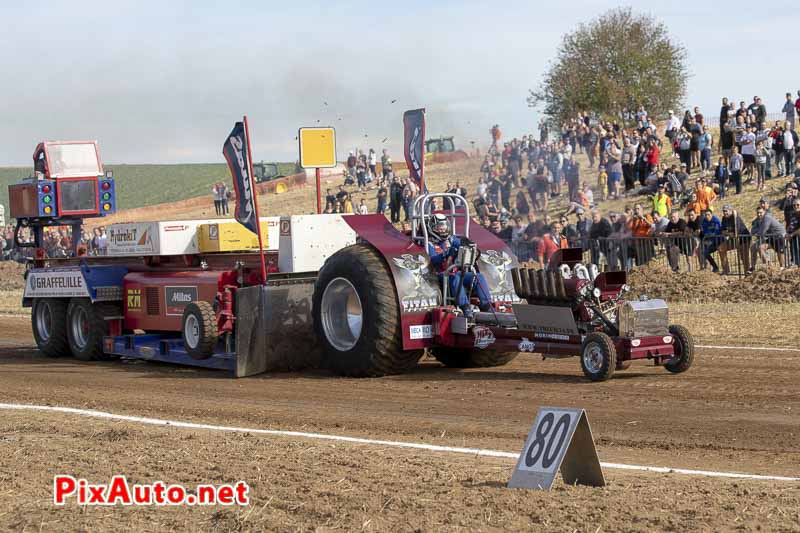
x: 734, y: 411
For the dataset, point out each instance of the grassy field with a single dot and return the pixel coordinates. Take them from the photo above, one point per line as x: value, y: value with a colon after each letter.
x: 142, y: 185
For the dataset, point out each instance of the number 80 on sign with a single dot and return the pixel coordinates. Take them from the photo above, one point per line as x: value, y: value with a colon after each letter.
x: 549, y: 437
x: 560, y: 439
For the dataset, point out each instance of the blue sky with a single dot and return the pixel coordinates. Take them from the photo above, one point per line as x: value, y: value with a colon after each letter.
x: 163, y: 82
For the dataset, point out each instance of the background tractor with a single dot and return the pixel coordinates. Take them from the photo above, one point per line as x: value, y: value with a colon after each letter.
x: 442, y: 150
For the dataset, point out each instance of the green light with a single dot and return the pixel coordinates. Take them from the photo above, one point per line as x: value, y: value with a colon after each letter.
x: 106, y: 196
x: 47, y: 199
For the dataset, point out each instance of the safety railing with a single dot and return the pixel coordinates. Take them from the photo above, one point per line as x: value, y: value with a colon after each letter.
x: 728, y: 254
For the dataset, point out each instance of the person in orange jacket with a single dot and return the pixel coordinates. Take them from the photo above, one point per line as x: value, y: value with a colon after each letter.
x: 551, y: 242
x: 640, y: 224
x: 705, y: 194
x: 641, y: 227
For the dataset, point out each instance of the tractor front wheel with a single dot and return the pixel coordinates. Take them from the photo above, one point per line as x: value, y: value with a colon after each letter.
x: 461, y: 358
x: 683, y: 344
x: 357, y: 317
x: 598, y: 357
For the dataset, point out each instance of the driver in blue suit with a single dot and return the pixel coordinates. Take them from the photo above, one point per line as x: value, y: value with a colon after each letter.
x: 443, y: 250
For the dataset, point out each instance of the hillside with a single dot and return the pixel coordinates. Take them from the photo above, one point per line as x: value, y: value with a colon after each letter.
x: 159, y: 192
x: 143, y: 185
x: 298, y: 201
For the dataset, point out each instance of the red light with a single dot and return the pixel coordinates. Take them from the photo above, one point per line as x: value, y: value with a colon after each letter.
x: 106, y: 185
x: 45, y: 188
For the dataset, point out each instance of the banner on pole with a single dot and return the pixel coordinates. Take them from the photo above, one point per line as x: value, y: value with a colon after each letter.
x: 235, y: 152
x: 414, y: 144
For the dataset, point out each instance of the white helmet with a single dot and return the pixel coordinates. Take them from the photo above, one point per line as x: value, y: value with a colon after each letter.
x: 439, y: 226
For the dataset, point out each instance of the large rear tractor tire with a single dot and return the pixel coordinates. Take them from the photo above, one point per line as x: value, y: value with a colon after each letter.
x: 49, y: 324
x: 199, y: 330
x: 357, y: 317
x: 86, y: 327
x: 684, y: 350
x: 598, y: 357
x: 460, y: 358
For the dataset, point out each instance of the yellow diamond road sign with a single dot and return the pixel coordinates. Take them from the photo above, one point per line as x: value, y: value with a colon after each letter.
x: 317, y: 147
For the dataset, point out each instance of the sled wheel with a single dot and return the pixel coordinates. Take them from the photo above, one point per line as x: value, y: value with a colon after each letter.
x: 683, y: 344
x: 357, y: 317
x: 598, y: 357
x: 49, y: 324
x: 199, y: 330
x: 86, y: 327
x: 460, y: 358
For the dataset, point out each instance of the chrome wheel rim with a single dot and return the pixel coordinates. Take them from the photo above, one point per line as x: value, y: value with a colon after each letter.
x: 593, y: 357
x: 191, y: 331
x: 80, y: 327
x: 44, y: 321
x: 342, y: 314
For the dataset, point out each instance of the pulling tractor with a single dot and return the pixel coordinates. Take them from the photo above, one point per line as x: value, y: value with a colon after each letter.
x: 365, y: 293
x: 351, y: 293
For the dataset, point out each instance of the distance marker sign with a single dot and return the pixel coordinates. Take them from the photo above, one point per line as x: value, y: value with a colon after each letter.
x: 317, y: 147
x: 560, y: 439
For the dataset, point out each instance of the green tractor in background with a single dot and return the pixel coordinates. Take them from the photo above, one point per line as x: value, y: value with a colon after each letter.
x: 266, y: 172
x: 442, y: 150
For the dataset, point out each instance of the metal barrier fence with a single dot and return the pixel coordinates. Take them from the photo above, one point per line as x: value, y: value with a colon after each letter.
x: 713, y: 121
x: 734, y: 255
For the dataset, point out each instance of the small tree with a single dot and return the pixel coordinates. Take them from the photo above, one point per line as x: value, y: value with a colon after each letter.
x: 611, y: 66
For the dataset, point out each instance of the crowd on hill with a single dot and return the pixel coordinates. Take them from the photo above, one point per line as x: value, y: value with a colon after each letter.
x: 664, y: 168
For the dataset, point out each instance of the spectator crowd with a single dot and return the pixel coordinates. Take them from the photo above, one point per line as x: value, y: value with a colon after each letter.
x: 678, y: 196
x: 677, y: 176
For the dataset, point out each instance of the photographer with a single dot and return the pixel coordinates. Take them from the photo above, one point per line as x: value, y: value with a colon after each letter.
x: 641, y: 227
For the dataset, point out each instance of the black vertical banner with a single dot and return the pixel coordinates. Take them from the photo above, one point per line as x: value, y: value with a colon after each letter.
x: 235, y: 152
x: 414, y: 145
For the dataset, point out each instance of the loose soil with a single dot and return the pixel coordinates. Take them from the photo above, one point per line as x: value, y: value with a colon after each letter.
x: 11, y: 275
x: 735, y: 410
x: 703, y: 286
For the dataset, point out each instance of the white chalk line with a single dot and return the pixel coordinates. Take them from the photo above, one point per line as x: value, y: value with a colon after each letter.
x: 751, y: 348
x: 358, y: 440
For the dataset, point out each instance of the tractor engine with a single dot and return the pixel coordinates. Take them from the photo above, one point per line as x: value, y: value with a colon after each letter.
x: 595, y: 298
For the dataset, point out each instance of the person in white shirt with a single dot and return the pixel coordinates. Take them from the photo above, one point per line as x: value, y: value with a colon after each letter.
x: 748, y: 140
x: 362, y: 207
x: 788, y: 147
x: 217, y: 199
x: 373, y: 162
x: 672, y: 127
x: 482, y: 187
